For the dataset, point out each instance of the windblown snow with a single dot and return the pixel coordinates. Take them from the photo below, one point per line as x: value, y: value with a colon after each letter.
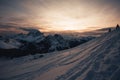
x: 98, y: 59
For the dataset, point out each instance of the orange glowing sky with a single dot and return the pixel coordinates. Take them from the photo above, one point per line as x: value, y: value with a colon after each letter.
x: 60, y: 15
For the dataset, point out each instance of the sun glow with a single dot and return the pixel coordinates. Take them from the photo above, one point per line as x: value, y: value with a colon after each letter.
x: 58, y: 21
x: 65, y: 24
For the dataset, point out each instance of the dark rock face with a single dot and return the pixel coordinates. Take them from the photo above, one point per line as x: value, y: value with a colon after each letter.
x: 56, y: 42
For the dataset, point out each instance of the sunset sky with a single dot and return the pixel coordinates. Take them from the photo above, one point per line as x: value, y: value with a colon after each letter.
x: 60, y: 15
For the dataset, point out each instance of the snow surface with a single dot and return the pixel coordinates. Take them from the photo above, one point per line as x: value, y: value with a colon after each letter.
x: 98, y: 59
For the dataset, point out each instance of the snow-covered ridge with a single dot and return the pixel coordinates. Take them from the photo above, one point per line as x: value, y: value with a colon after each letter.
x: 98, y: 59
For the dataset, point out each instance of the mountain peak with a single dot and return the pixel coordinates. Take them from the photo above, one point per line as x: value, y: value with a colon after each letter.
x: 35, y: 33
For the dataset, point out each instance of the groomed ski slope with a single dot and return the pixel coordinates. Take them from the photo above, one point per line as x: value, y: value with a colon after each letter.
x: 98, y: 59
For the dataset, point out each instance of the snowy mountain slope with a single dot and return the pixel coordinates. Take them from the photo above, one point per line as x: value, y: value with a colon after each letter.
x: 4, y: 45
x: 32, y: 36
x: 9, y: 44
x: 57, y: 42
x: 98, y: 59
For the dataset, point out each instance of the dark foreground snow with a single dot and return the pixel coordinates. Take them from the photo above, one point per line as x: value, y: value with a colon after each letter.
x: 98, y: 59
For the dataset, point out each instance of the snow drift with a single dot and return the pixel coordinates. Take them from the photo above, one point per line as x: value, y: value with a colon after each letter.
x: 98, y: 59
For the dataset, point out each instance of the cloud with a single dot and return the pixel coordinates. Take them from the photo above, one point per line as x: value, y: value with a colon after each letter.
x: 12, y: 30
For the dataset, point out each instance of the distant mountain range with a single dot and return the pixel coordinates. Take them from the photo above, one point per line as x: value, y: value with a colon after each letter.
x: 36, y: 42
